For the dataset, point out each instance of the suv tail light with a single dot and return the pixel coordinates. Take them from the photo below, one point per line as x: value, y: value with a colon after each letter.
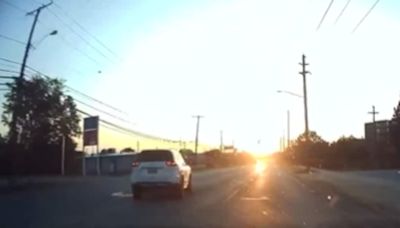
x: 170, y: 163
x: 135, y: 164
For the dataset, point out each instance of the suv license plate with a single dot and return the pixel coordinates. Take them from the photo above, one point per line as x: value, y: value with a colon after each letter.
x: 152, y: 170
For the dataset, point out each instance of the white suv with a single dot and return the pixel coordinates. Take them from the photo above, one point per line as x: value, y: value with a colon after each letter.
x: 160, y: 169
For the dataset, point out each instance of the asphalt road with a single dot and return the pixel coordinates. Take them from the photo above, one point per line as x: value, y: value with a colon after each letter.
x: 231, y: 197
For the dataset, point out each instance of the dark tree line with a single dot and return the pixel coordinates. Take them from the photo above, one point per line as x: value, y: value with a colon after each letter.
x: 46, y: 115
x: 347, y: 152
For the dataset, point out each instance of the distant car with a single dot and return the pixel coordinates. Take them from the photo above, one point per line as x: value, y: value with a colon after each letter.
x: 160, y: 169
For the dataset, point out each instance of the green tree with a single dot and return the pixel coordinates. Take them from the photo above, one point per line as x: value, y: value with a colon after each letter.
x: 45, y: 113
x: 108, y: 151
x: 395, y: 128
x: 309, y: 152
x: 313, y: 137
x: 347, y: 152
x: 127, y: 150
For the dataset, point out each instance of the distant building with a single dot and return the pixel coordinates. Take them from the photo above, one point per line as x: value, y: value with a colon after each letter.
x: 378, y: 132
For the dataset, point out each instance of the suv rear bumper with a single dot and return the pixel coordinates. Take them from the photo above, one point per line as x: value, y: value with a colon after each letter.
x: 154, y: 186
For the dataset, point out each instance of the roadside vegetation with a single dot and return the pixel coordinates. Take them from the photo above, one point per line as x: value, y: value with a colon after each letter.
x: 346, y: 153
x: 46, y: 115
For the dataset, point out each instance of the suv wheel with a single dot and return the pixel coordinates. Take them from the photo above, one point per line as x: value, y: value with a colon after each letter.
x: 136, y: 192
x: 189, y: 187
x: 179, y: 190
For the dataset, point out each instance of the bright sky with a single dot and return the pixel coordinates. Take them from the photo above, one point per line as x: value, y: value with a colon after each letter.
x: 222, y: 59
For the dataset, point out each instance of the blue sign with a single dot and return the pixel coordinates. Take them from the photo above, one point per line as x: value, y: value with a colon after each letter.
x: 91, y: 131
x: 91, y: 123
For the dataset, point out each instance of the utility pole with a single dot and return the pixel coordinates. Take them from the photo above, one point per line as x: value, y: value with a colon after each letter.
x: 196, y: 142
x: 19, y: 80
x: 137, y: 145
x: 373, y: 113
x: 304, y: 73
x: 221, y: 141
x: 374, y: 144
x: 63, y: 155
x: 288, y: 128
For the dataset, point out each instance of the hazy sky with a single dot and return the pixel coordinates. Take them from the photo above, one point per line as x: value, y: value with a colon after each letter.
x: 222, y: 59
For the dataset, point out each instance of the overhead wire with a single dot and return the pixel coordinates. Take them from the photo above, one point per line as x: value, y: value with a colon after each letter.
x: 106, y: 126
x: 9, y: 71
x: 85, y: 30
x: 70, y: 45
x: 102, y: 111
x: 324, y: 15
x: 113, y: 124
x: 342, y: 11
x: 13, y: 6
x: 12, y: 39
x: 69, y: 87
x: 7, y: 77
x: 365, y: 16
x: 104, y: 121
x: 136, y: 133
x: 59, y: 35
x: 79, y: 35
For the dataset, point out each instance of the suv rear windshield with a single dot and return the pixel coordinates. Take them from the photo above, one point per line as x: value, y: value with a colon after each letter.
x: 155, y: 155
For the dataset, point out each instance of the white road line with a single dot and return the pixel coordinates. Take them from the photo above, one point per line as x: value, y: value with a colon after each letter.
x: 232, y: 194
x: 121, y: 194
x: 262, y: 198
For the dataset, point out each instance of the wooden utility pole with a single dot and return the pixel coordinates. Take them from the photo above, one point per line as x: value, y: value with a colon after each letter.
x: 373, y: 113
x: 196, y: 142
x: 304, y: 73
x: 19, y: 80
x: 288, y: 128
x: 221, y: 141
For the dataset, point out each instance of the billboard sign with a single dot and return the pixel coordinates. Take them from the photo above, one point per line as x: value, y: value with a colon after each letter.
x: 91, y: 131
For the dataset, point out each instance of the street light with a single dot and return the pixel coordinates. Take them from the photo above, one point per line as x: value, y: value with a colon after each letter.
x: 288, y: 112
x: 52, y: 33
x: 290, y: 93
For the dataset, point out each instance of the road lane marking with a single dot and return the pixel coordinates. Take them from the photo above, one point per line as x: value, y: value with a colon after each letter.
x: 264, y: 213
x: 241, y: 186
x: 121, y: 194
x: 262, y: 198
x: 233, y: 193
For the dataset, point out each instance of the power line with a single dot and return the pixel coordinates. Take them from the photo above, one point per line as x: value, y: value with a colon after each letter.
x: 86, y: 31
x: 12, y: 39
x: 115, y: 125
x: 69, y: 87
x: 10, y: 61
x: 79, y: 50
x: 8, y: 65
x: 67, y: 43
x: 83, y: 94
x: 13, y: 6
x: 365, y: 16
x: 116, y: 130
x: 324, y: 15
x: 7, y: 77
x: 136, y: 133
x: 342, y: 11
x: 109, y: 127
x: 9, y: 71
x: 80, y: 36
x: 94, y: 99
x: 102, y: 111
x: 103, y: 121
